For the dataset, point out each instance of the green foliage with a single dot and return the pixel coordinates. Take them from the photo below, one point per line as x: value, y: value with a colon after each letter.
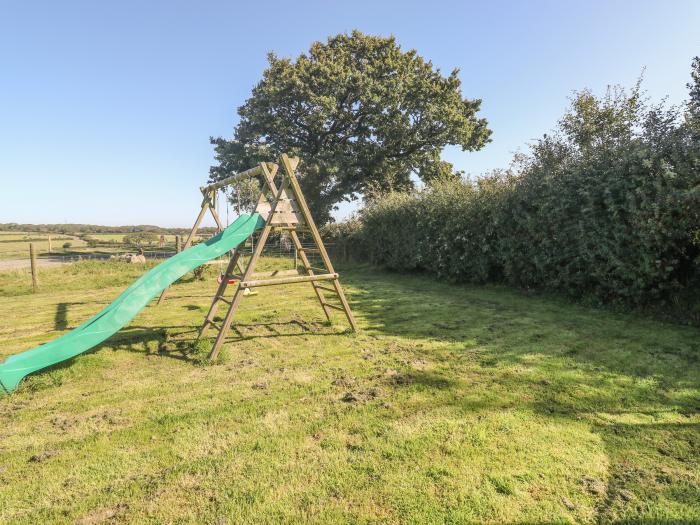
x: 343, y: 239
x: 608, y: 207
x: 91, y: 241
x: 693, y: 113
x: 138, y: 239
x: 361, y: 113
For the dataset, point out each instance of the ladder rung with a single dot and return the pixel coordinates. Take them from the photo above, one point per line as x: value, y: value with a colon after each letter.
x: 314, y: 269
x: 318, y: 286
x: 212, y: 323
x: 329, y: 305
x: 222, y: 298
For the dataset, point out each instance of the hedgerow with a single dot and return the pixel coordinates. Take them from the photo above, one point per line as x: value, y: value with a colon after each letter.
x: 607, y: 207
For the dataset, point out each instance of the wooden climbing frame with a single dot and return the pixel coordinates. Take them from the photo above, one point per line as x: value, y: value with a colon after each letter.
x: 286, y: 210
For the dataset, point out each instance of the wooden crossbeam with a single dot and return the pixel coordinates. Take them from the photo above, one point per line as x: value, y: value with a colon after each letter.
x: 233, y: 179
x: 289, y: 280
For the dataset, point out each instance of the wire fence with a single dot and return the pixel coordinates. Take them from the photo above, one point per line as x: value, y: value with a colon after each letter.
x: 76, y: 257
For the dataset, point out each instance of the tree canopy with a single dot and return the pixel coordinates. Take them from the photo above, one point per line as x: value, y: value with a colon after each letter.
x: 362, y: 114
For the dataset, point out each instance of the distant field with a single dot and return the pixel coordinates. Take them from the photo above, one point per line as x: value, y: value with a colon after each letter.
x: 14, y: 245
x: 118, y: 237
x: 30, y: 236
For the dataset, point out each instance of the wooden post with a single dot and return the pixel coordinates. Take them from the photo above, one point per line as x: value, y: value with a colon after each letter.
x: 32, y: 261
x: 49, y: 244
x: 177, y: 244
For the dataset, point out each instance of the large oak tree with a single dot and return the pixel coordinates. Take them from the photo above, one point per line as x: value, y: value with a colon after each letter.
x: 362, y: 114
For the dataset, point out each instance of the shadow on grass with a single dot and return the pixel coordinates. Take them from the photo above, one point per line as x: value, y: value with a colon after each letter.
x: 177, y: 341
x: 60, y: 321
x: 634, y: 381
x: 509, y: 328
x: 248, y: 331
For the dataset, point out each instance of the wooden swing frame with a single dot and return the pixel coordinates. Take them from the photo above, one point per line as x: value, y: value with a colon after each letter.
x: 287, y: 210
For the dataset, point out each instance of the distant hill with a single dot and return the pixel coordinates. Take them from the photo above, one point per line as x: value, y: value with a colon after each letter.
x: 77, y: 229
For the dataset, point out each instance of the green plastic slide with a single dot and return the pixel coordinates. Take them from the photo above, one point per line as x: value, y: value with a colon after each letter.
x: 125, y: 307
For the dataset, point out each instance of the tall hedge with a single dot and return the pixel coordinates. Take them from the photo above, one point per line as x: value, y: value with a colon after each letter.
x: 607, y: 207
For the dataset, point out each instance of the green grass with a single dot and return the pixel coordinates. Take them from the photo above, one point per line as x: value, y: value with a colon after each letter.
x: 452, y: 405
x: 118, y: 237
x: 15, y: 245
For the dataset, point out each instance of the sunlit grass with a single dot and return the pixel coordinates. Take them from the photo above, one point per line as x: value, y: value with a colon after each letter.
x: 453, y: 404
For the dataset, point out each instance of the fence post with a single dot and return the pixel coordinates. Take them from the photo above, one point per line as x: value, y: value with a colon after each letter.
x: 49, y: 244
x: 32, y: 262
x: 177, y: 244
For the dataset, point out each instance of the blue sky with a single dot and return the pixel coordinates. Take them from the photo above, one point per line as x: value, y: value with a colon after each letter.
x: 106, y: 108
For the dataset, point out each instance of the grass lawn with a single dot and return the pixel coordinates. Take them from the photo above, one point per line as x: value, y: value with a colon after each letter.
x: 453, y: 404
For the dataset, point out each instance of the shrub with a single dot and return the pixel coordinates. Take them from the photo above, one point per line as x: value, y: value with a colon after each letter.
x: 608, y: 207
x: 138, y: 239
x: 342, y: 239
x: 91, y: 241
x: 67, y: 245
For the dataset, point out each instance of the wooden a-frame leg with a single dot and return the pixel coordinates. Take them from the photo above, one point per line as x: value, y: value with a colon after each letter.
x: 220, y: 294
x: 206, y: 204
x: 220, y: 226
x: 226, y: 323
x: 305, y: 259
x: 346, y: 307
x: 310, y: 223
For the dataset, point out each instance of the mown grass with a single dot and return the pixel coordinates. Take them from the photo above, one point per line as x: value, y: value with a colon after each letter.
x: 452, y: 405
